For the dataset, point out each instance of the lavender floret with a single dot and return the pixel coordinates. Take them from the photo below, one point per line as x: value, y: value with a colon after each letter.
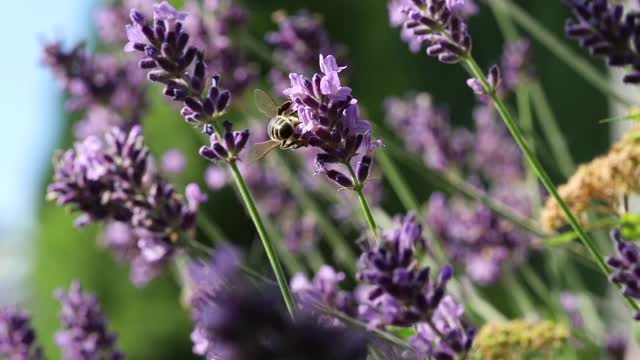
x: 17, y: 336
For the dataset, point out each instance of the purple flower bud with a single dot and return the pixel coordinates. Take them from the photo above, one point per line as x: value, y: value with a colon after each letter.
x: 339, y: 178
x: 363, y: 168
x: 477, y: 86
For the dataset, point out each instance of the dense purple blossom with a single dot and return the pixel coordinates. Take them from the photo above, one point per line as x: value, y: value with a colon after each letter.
x: 626, y: 266
x: 109, y: 90
x: 111, y: 179
x: 437, y: 24
x: 323, y: 290
x: 425, y: 129
x: 167, y: 56
x: 606, y: 30
x: 330, y: 120
x: 17, y: 336
x: 448, y: 321
x: 85, y: 334
x: 477, y: 237
x: 300, y: 39
x: 517, y: 63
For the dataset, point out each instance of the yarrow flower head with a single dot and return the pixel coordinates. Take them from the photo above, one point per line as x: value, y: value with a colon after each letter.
x: 85, y: 333
x: 112, y: 180
x: 437, y: 24
x: 300, y: 39
x: 606, y: 30
x: 330, y: 122
x: 17, y: 336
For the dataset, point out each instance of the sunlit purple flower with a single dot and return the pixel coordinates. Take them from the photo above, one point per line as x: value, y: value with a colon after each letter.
x: 85, y: 333
x: 330, y: 120
x: 437, y: 24
x: 607, y: 30
x: 112, y: 180
x: 17, y: 336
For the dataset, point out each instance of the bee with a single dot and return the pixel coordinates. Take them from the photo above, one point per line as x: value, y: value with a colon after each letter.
x: 281, y: 128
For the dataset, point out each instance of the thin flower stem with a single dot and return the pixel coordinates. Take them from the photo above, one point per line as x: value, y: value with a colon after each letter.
x: 211, y: 229
x: 357, y: 187
x: 552, y: 132
x: 399, y: 186
x: 574, y: 61
x: 538, y: 286
x: 524, y: 112
x: 451, y: 182
x: 476, y: 72
x: 262, y: 232
x: 344, y: 255
x: 520, y: 295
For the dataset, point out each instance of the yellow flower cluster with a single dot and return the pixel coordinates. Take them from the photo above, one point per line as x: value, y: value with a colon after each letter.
x: 598, y: 185
x: 515, y: 340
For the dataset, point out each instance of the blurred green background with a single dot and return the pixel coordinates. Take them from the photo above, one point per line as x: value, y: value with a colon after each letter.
x: 150, y: 321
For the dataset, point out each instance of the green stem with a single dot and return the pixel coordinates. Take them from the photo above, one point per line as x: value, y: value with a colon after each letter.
x: 551, y: 130
x: 357, y: 187
x: 344, y: 254
x: 574, y: 61
x: 476, y: 72
x: 266, y: 241
x: 399, y: 186
x: 212, y: 230
x: 538, y: 286
x: 524, y: 111
x: 451, y: 182
x: 519, y: 293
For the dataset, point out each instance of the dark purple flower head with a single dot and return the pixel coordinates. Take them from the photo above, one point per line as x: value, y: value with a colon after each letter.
x: 398, y: 278
x: 626, y: 266
x: 85, y: 334
x: 330, y: 120
x: 222, y: 330
x: 517, y: 63
x: 300, y: 39
x: 112, y: 180
x: 606, y: 30
x: 229, y: 147
x: 425, y: 129
x: 449, y: 321
x: 437, y: 24
x: 169, y: 59
x: 17, y: 337
x: 494, y: 80
x: 110, y: 90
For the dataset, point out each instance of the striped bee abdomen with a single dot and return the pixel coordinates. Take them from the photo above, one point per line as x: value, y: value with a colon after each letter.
x: 280, y: 128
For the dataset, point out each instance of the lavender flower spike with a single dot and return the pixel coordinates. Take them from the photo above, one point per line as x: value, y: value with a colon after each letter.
x: 17, y: 337
x: 229, y: 147
x: 331, y: 122
x: 626, y: 266
x: 607, y: 30
x: 438, y: 24
x: 85, y: 334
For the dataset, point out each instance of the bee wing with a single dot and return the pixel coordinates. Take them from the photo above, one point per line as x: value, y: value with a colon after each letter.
x: 260, y: 150
x: 265, y: 103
